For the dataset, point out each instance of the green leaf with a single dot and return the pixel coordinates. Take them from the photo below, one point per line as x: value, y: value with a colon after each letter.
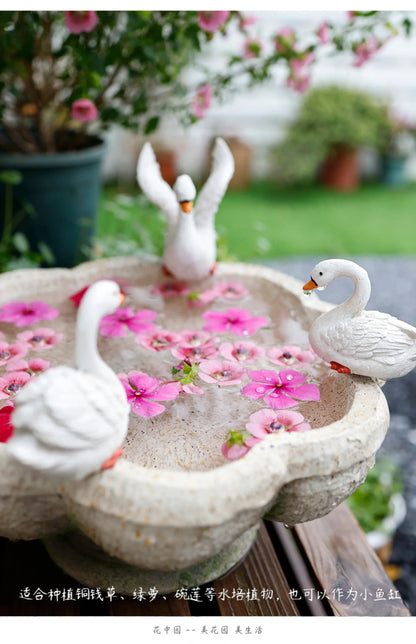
x: 12, y: 177
x: 46, y: 253
x: 21, y: 243
x: 151, y: 125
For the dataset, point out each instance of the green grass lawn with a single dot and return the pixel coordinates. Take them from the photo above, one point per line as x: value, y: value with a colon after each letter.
x: 267, y: 221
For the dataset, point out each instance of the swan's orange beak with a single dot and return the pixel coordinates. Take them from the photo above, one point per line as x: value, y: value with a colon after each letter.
x: 122, y: 298
x: 187, y: 206
x: 310, y: 286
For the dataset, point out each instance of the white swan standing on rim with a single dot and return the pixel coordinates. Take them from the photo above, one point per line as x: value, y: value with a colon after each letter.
x: 190, y: 248
x: 353, y: 340
x: 71, y: 422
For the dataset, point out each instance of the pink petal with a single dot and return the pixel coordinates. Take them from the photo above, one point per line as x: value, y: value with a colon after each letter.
x: 234, y: 452
x: 250, y: 442
x: 265, y: 376
x: 302, y: 427
x: 146, y: 408
x: 164, y: 392
x: 113, y: 329
x: 289, y: 418
x: 278, y: 400
x: 255, y: 390
x: 141, y: 381
x: 304, y: 392
x: 291, y: 377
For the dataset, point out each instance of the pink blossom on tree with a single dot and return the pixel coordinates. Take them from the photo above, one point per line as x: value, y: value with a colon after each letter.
x: 252, y: 48
x: 142, y: 391
x: 236, y: 321
x: 300, y: 76
x: 323, y: 33
x: 79, y: 21
x: 212, y: 20
x: 24, y: 314
x: 364, y: 51
x: 279, y: 390
x: 84, y: 110
x: 247, y: 21
x: 202, y: 100
x: 284, y: 40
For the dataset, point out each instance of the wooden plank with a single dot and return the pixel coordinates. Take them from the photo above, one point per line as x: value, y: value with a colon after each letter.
x: 347, y: 568
x: 297, y: 572
x: 259, y: 575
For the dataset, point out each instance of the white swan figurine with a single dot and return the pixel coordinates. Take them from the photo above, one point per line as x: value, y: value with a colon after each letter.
x: 353, y: 340
x: 70, y: 422
x: 190, y: 248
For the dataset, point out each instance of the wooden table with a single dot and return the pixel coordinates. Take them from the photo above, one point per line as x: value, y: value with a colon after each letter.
x: 323, y: 567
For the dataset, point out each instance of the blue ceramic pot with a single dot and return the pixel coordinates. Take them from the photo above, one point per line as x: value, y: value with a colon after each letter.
x: 394, y: 170
x: 63, y: 190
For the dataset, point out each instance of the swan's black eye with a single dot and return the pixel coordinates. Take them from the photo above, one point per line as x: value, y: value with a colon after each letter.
x: 320, y: 273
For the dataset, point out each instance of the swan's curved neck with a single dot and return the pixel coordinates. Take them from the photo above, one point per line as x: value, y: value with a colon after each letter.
x: 362, y: 290
x: 87, y: 357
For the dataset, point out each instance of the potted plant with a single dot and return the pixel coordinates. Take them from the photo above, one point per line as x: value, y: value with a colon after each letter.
x: 399, y: 144
x: 332, y: 125
x: 67, y: 76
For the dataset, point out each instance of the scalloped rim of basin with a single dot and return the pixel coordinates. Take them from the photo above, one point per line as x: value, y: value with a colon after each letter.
x: 209, y: 498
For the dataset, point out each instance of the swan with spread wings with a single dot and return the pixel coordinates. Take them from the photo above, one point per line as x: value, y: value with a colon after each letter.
x: 190, y: 248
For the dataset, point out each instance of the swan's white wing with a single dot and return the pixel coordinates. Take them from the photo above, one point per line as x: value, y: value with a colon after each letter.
x: 70, y: 410
x: 373, y: 335
x: 215, y: 186
x: 156, y: 189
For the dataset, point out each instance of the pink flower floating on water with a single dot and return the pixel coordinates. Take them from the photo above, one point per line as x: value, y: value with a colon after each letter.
x: 196, y: 353
x: 158, y: 340
x: 170, y: 289
x: 142, y: 391
x: 11, y: 383
x: 32, y: 366
x: 39, y: 339
x: 241, y: 351
x: 193, y: 338
x: 266, y: 421
x: 24, y: 314
x: 235, y: 446
x: 236, y: 321
x: 223, y: 290
x: 115, y: 325
x: 6, y: 427
x: 9, y: 352
x: 84, y: 110
x: 78, y: 21
x: 289, y: 355
x: 279, y: 390
x: 221, y: 372
x: 212, y: 20
x: 202, y: 100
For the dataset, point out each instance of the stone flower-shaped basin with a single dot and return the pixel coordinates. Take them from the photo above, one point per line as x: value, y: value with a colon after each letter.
x: 174, y: 511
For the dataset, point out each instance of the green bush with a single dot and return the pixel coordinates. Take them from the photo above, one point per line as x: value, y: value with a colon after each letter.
x: 330, y: 117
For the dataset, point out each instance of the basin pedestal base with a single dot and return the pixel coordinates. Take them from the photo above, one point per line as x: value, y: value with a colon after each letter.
x: 80, y: 558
